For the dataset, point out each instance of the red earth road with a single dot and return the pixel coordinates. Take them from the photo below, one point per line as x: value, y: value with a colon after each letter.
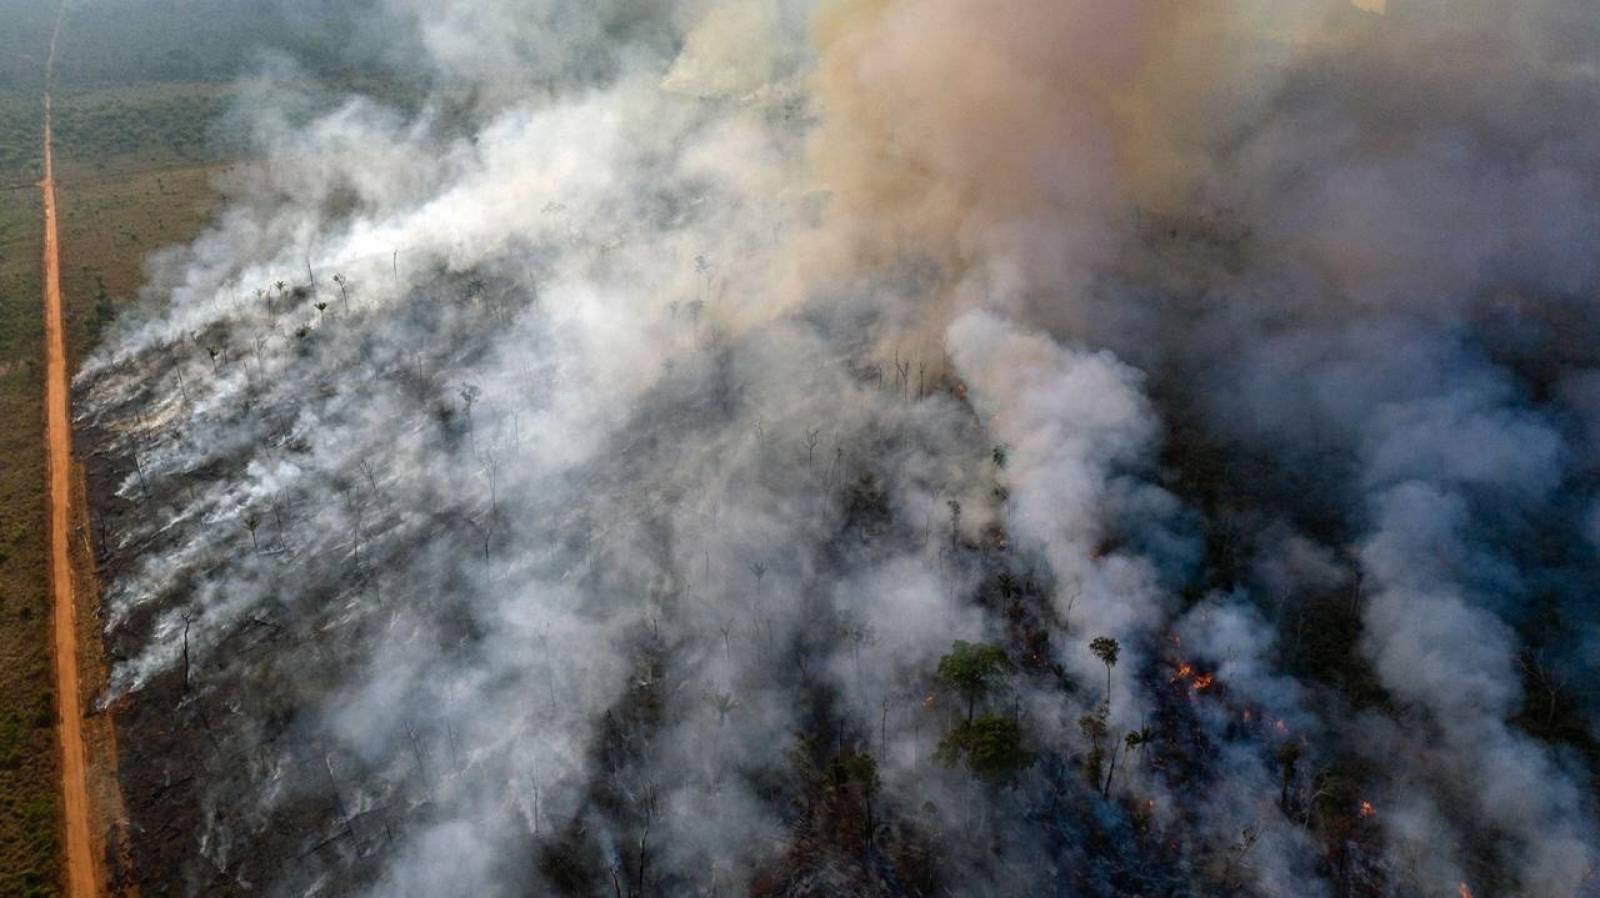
x: 81, y: 869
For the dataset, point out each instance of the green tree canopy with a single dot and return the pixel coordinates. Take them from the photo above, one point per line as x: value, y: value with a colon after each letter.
x: 991, y: 746
x: 972, y: 669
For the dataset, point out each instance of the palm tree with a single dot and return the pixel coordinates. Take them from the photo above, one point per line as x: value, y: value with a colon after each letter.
x: 1140, y: 738
x: 1288, y: 755
x: 1135, y: 739
x: 724, y: 704
x: 344, y: 298
x: 1106, y: 649
x: 469, y: 397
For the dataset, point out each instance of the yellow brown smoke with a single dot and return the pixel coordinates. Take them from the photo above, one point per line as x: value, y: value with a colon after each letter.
x: 1003, y: 143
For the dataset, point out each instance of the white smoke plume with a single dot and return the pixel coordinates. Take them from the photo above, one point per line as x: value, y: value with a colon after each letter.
x: 573, y: 485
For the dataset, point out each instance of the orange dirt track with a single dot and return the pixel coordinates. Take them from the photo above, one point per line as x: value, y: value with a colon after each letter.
x: 81, y: 869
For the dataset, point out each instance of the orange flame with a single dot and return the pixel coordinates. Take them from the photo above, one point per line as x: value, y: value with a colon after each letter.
x: 1465, y: 892
x: 1366, y: 809
x: 1185, y: 671
x: 1204, y: 681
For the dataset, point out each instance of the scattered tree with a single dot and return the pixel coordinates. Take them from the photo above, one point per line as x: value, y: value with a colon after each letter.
x: 1106, y: 649
x: 1134, y: 739
x: 856, y: 772
x: 955, y: 522
x: 1548, y: 678
x: 189, y: 615
x: 702, y: 267
x: 1094, y: 728
x: 469, y: 398
x: 1236, y: 854
x: 105, y: 311
x: 990, y: 745
x: 723, y: 703
x: 971, y: 669
x: 1288, y: 755
x: 344, y: 296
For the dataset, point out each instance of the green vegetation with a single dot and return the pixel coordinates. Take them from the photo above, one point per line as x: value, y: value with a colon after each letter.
x: 1096, y: 726
x: 21, y: 138
x: 134, y: 41
x: 991, y: 746
x: 29, y: 799
x: 182, y: 123
x: 168, y: 123
x: 972, y: 669
x: 28, y: 795
x: 24, y: 42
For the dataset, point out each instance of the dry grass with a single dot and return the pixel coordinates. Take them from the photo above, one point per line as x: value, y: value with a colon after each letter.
x: 112, y: 219
x: 29, y: 799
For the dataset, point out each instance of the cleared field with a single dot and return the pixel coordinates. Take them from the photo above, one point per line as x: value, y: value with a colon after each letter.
x: 110, y: 221
x: 136, y: 170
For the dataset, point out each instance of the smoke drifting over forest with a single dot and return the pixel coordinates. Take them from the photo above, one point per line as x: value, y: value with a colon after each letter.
x: 574, y: 487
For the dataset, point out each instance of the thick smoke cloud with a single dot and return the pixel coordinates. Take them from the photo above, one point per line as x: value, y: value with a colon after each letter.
x: 568, y: 501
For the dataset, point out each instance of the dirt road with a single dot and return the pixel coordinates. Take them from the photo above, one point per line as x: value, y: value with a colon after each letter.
x: 81, y: 878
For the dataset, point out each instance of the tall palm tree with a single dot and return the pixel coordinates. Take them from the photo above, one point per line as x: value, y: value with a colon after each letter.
x: 1106, y: 649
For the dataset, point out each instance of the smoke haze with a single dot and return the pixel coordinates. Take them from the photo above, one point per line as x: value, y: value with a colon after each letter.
x: 560, y: 489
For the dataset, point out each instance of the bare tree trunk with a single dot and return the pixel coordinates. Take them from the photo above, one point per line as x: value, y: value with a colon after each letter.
x: 187, y: 620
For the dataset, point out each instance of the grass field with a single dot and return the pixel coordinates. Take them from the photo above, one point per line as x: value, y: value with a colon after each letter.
x: 110, y: 220
x: 28, y: 793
